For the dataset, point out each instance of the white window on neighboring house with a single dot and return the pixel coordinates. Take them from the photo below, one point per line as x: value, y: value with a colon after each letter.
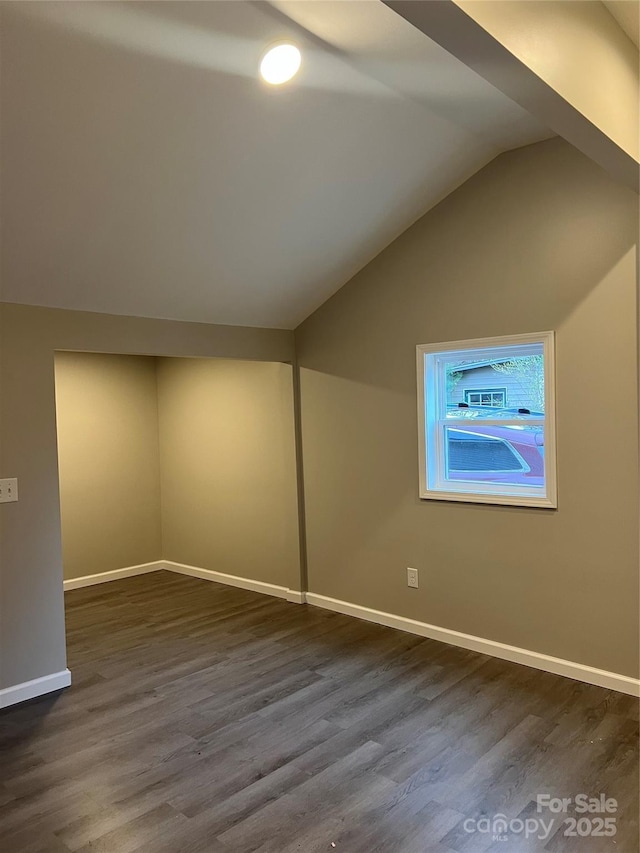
x: 479, y: 450
x: 487, y: 397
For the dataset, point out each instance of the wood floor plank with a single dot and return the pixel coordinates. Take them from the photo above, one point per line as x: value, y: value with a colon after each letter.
x: 209, y: 719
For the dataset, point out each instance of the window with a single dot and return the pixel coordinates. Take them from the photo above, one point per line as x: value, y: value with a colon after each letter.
x: 474, y: 448
x: 486, y: 397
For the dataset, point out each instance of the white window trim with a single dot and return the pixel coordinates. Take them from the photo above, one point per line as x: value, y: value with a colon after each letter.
x: 430, y: 449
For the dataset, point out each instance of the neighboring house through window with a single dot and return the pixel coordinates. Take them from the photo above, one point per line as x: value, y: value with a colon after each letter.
x: 483, y: 440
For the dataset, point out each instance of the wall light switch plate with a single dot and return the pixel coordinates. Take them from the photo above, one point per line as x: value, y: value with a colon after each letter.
x: 412, y: 578
x: 8, y: 490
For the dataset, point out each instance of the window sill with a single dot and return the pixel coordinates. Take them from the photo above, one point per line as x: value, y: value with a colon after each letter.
x: 500, y: 500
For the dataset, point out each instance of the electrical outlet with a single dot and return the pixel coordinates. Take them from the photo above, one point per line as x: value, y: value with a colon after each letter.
x: 8, y: 490
x: 412, y: 578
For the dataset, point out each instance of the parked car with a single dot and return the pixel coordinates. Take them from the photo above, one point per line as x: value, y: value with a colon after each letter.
x: 462, y: 410
x: 500, y: 454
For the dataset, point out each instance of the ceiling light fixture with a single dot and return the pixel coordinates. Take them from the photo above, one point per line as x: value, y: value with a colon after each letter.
x: 280, y: 64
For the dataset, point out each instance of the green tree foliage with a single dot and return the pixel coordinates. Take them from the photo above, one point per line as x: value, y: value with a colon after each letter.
x: 528, y: 371
x: 453, y: 377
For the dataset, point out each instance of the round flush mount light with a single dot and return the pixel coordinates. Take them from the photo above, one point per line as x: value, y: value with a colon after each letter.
x: 280, y: 64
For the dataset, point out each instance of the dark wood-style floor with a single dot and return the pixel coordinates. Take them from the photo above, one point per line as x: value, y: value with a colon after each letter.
x: 207, y: 718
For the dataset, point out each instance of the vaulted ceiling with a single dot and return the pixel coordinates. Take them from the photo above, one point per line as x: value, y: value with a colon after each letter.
x: 627, y: 14
x: 147, y: 171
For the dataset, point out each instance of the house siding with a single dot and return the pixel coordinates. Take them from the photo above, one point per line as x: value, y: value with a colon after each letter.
x: 486, y: 378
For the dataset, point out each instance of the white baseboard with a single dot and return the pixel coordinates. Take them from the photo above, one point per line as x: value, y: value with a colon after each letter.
x: 292, y: 595
x: 115, y: 575
x: 537, y: 660
x: 558, y: 666
x: 36, y: 687
x: 296, y: 597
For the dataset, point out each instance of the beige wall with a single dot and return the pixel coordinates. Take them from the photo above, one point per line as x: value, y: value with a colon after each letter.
x: 539, y: 239
x: 32, y: 642
x: 217, y: 433
x: 227, y: 448
x: 109, y: 462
